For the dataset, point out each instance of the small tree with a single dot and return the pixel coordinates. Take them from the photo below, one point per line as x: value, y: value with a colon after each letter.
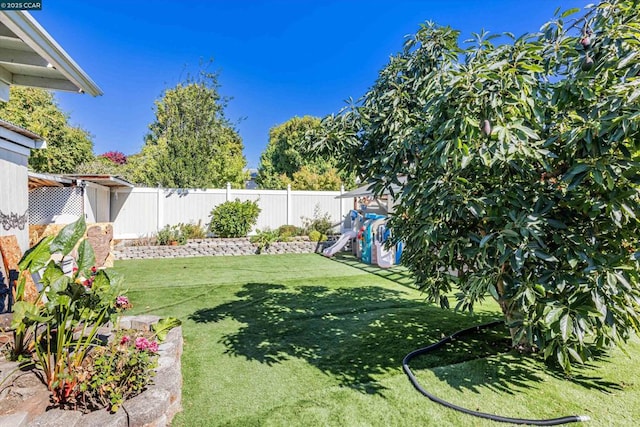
x: 521, y: 177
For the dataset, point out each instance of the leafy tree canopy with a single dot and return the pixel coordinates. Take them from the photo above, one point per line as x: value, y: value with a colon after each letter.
x: 287, y: 161
x: 191, y: 143
x: 522, y: 182
x: 37, y: 110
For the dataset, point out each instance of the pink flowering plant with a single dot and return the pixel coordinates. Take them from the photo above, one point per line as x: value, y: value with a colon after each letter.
x: 118, y: 371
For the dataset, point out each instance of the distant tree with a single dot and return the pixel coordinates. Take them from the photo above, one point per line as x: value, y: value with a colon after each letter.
x: 99, y: 166
x: 286, y: 161
x: 37, y: 110
x: 307, y: 179
x: 191, y: 143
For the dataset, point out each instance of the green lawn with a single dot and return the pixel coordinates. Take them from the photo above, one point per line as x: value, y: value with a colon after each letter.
x: 302, y: 340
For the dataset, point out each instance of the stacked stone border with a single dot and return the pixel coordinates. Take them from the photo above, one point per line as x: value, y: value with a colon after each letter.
x: 155, y: 407
x: 216, y: 247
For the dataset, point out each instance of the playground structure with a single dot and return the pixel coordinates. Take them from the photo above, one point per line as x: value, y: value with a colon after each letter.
x: 368, y: 234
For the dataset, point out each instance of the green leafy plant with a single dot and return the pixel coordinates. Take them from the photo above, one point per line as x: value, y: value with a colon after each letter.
x: 264, y: 238
x: 316, y: 236
x: 234, y: 218
x: 70, y: 309
x: 521, y: 173
x: 192, y: 230
x: 320, y: 222
x: 164, y: 325
x: 171, y: 234
x: 288, y: 231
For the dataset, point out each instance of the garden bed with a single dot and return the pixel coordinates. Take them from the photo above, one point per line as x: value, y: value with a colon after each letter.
x: 24, y: 398
x: 215, y: 247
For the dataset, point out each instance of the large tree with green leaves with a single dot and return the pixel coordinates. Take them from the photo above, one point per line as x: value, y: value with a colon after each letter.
x: 287, y: 161
x: 191, y: 143
x: 522, y: 182
x: 38, y: 111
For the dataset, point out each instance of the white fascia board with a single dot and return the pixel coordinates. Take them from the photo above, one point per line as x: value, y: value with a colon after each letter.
x: 29, y: 31
x: 18, y: 139
x: 11, y: 146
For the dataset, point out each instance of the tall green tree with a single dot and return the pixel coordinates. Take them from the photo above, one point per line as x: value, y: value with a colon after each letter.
x: 191, y: 143
x: 522, y: 182
x: 286, y: 159
x: 38, y: 111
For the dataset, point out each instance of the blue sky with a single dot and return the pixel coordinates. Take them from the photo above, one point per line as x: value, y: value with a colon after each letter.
x: 277, y: 59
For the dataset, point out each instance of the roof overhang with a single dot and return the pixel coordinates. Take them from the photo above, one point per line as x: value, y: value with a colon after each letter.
x: 18, y: 139
x: 29, y: 56
x: 37, y: 180
x: 104, y: 180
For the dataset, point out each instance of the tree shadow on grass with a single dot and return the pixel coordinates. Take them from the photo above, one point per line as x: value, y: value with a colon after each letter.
x: 355, y: 334
x: 398, y: 274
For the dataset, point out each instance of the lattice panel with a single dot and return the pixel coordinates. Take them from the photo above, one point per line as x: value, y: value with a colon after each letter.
x: 46, y: 203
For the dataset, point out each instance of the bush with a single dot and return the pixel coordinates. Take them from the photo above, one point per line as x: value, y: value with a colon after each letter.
x: 234, y: 219
x: 171, y: 233
x: 287, y: 231
x: 264, y: 238
x: 316, y: 236
x: 320, y: 222
x: 192, y: 231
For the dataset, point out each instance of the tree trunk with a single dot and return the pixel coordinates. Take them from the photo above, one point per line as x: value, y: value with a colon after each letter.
x: 512, y: 315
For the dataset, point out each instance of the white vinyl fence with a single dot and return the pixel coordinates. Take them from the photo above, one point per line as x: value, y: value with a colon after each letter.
x: 139, y: 212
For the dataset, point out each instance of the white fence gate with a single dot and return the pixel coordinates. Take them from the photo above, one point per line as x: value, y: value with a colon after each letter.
x: 138, y: 212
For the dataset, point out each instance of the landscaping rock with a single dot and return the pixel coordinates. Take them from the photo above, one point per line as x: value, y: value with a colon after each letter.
x: 56, y: 418
x: 19, y: 419
x: 104, y: 418
x: 144, y: 322
x: 147, y: 408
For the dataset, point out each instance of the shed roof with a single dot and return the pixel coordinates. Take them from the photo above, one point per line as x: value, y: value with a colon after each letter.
x: 29, y: 56
x: 37, y: 180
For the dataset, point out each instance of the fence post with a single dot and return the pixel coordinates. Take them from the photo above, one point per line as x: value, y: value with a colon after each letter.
x: 228, y: 191
x: 289, y: 207
x: 341, y: 202
x: 160, y: 217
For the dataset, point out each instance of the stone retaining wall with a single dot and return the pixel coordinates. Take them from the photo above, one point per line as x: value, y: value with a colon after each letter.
x: 155, y: 407
x: 215, y: 247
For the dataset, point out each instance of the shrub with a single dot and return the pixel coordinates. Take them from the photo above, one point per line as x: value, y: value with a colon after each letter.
x: 316, y: 236
x: 116, y: 157
x: 171, y: 233
x: 319, y: 222
x: 192, y: 230
x: 288, y: 231
x: 264, y: 238
x: 234, y: 219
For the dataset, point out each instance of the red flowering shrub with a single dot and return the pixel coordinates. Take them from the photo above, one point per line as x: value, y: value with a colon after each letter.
x: 116, y: 157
